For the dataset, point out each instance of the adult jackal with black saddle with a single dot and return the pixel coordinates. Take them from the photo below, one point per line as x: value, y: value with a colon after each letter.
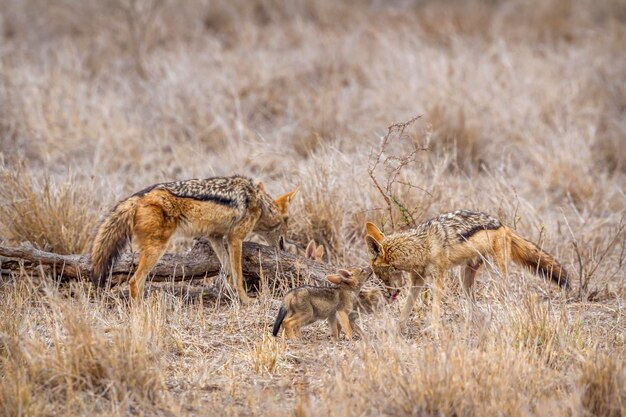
x: 460, y: 238
x: 220, y: 208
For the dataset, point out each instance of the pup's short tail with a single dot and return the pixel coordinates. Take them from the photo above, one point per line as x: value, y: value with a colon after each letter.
x: 279, y: 320
x: 537, y: 260
x: 111, y: 237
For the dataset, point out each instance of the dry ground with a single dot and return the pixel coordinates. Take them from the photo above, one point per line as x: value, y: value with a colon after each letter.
x: 524, y: 116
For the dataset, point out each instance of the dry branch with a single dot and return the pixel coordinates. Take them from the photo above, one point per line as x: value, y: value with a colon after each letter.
x: 393, y: 166
x: 277, y: 267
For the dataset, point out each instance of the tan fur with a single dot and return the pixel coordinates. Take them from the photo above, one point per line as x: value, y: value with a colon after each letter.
x: 459, y: 238
x: 218, y: 208
x: 369, y: 299
x: 308, y: 304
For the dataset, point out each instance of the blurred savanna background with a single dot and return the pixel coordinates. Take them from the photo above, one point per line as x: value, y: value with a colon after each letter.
x: 522, y: 109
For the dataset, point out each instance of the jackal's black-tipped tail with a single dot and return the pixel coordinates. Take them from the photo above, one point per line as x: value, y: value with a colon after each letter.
x: 539, y: 261
x: 279, y: 320
x: 110, y: 239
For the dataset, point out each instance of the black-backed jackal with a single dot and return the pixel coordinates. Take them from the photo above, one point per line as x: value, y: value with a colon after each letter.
x: 220, y: 208
x: 460, y: 238
x: 308, y: 304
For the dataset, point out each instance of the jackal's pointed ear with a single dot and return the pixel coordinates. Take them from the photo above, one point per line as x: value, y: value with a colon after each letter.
x: 373, y: 230
x: 374, y: 247
x: 283, y: 201
x: 319, y: 252
x: 310, y: 250
x: 345, y: 273
x: 335, y: 279
x: 260, y: 186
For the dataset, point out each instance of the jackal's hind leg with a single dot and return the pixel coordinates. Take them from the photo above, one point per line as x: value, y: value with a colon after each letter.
x: 153, y: 230
x: 501, y: 248
x: 290, y: 327
x: 333, y: 325
x: 469, y: 275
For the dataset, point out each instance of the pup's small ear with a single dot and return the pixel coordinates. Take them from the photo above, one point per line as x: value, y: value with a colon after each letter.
x: 335, y: 279
x: 260, y: 186
x: 345, y: 273
x: 310, y: 250
x: 319, y: 252
x: 374, y: 231
x: 374, y: 247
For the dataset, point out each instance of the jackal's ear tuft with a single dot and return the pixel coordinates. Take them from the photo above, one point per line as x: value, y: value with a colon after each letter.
x: 283, y: 201
x: 374, y: 247
x: 335, y: 279
x: 345, y: 273
x: 374, y: 231
x: 310, y: 250
x: 260, y: 186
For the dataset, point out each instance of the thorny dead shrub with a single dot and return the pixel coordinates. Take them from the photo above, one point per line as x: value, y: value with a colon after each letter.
x: 387, y: 166
x: 58, y: 218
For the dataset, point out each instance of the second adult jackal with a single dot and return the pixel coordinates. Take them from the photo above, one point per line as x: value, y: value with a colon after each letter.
x: 218, y: 208
x: 463, y: 237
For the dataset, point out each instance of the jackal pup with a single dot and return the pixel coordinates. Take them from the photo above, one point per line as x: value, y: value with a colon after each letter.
x: 220, y: 208
x: 369, y: 299
x: 307, y: 304
x: 460, y: 238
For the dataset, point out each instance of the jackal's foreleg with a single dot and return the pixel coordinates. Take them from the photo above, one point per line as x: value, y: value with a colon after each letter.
x: 217, y: 244
x: 234, y: 252
x: 344, y: 320
x: 417, y: 285
x: 355, y: 327
x: 437, y: 274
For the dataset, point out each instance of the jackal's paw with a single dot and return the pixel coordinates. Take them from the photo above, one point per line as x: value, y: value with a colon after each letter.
x: 245, y: 300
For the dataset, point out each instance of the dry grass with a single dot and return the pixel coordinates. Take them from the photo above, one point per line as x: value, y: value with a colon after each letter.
x: 522, y: 108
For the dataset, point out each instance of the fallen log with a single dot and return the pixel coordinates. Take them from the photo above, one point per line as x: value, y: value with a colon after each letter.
x: 261, y: 264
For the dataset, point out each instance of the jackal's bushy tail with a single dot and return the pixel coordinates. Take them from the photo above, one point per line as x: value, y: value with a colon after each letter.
x: 279, y: 320
x: 531, y: 256
x: 111, y: 237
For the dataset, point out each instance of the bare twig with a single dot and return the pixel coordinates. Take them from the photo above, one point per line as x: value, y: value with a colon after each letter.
x: 588, y: 263
x: 393, y: 166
